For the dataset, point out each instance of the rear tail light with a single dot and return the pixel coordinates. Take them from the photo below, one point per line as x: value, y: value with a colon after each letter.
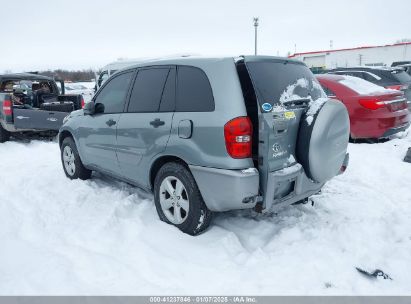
x: 7, y: 107
x: 371, y: 104
x: 238, y: 137
x: 82, y: 102
x: 397, y: 87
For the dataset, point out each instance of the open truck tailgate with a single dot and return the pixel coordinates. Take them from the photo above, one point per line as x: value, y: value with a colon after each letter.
x: 36, y: 119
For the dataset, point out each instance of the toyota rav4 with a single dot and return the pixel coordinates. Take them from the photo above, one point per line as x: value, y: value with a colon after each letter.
x: 210, y: 134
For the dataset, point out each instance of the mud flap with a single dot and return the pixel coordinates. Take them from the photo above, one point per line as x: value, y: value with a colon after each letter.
x: 35, y: 119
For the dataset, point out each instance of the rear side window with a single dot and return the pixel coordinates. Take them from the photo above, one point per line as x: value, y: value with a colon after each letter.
x: 113, y: 95
x: 147, y: 90
x: 194, y: 93
x: 279, y: 82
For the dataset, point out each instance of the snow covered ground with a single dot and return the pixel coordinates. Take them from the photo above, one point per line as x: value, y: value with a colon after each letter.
x: 100, y: 237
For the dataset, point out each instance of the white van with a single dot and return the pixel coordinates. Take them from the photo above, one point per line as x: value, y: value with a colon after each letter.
x: 113, y: 67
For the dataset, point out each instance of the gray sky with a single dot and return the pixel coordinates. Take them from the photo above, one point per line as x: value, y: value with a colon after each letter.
x: 78, y: 34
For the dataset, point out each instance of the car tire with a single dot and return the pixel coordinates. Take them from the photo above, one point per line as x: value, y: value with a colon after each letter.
x: 184, y: 207
x: 4, y: 134
x: 70, y: 159
x: 323, y: 139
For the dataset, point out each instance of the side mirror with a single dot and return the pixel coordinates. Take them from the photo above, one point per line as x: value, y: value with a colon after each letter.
x: 99, y: 108
x: 89, y: 108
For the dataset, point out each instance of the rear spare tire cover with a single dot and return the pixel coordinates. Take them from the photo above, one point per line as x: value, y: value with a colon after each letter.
x: 323, y: 139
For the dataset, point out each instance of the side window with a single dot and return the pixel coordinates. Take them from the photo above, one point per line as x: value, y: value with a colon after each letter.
x: 169, y: 94
x: 114, y: 93
x: 148, y: 89
x: 194, y: 93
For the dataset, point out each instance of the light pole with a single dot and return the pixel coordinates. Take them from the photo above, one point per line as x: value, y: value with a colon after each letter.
x: 255, y: 34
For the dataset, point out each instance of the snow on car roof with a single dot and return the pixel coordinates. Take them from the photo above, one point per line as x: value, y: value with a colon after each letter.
x: 362, y: 86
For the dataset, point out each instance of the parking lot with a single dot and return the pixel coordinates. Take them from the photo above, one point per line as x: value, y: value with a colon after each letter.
x: 97, y: 237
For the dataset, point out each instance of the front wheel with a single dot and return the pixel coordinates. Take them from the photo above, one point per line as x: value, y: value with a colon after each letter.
x: 178, y: 200
x: 72, y: 165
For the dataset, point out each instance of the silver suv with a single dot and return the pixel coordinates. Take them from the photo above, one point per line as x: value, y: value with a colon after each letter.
x: 210, y: 134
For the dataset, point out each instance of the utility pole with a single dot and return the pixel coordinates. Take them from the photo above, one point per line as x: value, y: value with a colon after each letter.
x: 255, y: 34
x: 360, y: 58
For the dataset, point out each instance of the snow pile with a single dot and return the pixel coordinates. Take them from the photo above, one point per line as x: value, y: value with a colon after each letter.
x: 363, y: 87
x: 102, y: 237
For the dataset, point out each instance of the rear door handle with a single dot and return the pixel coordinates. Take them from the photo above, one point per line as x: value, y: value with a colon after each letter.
x: 110, y: 122
x: 157, y: 122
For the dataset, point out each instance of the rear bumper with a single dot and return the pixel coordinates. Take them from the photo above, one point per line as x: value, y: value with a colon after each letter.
x: 380, y: 126
x: 224, y: 190
x: 300, y: 187
x: 396, y: 130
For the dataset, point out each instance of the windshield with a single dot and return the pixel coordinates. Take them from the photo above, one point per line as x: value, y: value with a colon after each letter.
x: 282, y: 82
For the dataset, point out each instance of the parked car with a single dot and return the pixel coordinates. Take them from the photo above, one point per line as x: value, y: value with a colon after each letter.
x: 406, y: 67
x: 389, y: 78
x: 375, y: 112
x: 211, y: 134
x: 33, y: 103
x: 400, y: 63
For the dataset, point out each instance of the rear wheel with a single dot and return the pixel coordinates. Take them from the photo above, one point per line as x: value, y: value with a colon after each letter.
x: 72, y: 165
x: 4, y: 135
x: 178, y: 200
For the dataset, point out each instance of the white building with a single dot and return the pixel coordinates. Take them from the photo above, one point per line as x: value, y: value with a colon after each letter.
x: 365, y: 55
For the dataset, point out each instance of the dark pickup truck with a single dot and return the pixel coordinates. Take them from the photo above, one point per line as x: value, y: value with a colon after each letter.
x: 31, y: 103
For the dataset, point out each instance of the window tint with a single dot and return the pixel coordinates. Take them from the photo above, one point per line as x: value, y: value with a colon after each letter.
x: 194, y: 92
x: 147, y: 90
x: 113, y: 95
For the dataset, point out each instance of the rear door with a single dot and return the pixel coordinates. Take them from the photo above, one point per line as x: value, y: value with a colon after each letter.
x: 283, y: 91
x: 97, y: 132
x: 144, y: 129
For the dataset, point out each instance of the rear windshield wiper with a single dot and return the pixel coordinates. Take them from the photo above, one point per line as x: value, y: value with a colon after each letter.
x: 297, y: 102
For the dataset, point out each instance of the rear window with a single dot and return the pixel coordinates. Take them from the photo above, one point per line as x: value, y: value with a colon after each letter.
x: 27, y: 86
x: 279, y: 82
x: 361, y: 86
x: 401, y: 76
